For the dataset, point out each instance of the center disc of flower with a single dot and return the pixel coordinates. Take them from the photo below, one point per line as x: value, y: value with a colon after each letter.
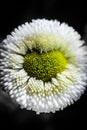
x: 44, y: 66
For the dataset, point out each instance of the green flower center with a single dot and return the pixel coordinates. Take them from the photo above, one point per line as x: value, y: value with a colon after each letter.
x: 44, y: 66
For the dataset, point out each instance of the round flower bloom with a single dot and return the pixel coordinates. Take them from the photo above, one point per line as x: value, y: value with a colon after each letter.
x: 44, y: 65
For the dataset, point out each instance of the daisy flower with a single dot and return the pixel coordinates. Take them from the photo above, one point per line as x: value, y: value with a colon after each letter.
x: 44, y: 65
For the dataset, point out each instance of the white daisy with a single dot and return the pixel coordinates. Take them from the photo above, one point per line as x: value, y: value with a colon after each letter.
x: 43, y: 65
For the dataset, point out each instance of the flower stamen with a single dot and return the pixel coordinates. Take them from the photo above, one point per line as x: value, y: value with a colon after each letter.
x: 44, y: 66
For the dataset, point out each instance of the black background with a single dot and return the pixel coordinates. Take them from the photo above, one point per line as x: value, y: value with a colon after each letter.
x: 14, y: 13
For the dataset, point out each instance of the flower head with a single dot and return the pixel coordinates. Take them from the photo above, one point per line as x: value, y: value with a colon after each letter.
x: 43, y: 65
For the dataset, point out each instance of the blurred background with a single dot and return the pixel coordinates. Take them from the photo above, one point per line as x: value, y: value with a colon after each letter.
x: 14, y: 13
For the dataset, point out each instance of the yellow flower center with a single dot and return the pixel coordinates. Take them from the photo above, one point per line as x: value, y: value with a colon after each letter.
x: 44, y: 66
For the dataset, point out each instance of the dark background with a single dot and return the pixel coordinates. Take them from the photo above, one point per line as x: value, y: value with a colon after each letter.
x: 14, y: 13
